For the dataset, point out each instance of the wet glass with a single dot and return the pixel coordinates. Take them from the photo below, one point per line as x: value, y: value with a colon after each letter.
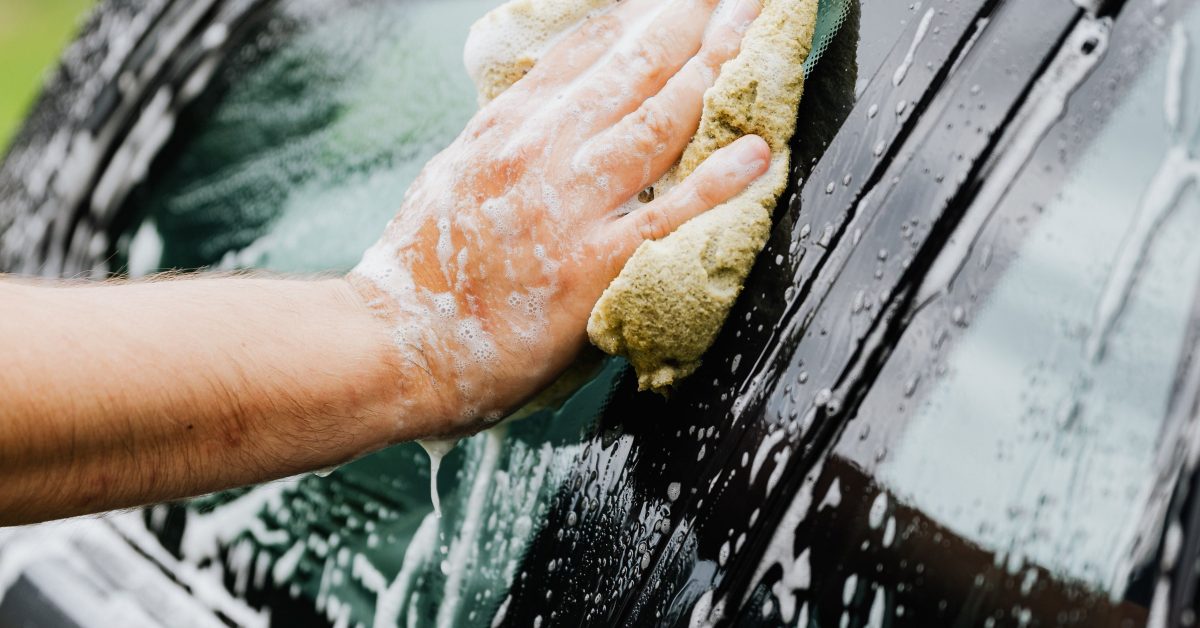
x: 297, y: 163
x: 1006, y: 466
x: 1047, y: 412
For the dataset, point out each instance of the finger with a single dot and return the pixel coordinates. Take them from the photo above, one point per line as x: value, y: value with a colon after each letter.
x: 601, y: 37
x: 576, y: 53
x: 645, y: 144
x: 722, y: 176
x: 658, y: 42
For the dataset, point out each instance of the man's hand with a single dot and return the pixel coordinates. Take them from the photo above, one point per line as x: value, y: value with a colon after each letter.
x: 507, y: 239
x: 477, y: 296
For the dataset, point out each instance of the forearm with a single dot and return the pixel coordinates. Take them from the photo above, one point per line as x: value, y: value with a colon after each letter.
x: 115, y: 396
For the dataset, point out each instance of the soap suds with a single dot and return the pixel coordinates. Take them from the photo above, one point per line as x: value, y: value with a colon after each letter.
x: 506, y: 43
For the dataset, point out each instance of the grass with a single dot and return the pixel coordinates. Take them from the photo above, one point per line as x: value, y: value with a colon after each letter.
x: 32, y: 34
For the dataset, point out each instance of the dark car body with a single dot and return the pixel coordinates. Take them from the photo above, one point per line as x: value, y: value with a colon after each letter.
x: 959, y: 389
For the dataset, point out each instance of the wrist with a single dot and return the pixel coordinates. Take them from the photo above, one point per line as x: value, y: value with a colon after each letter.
x: 415, y: 402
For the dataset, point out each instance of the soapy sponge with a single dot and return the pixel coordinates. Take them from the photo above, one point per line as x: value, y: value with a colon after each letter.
x: 507, y: 42
x: 669, y: 303
x: 673, y: 296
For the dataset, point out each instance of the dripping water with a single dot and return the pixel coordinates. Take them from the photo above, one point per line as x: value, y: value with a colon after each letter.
x: 437, y: 450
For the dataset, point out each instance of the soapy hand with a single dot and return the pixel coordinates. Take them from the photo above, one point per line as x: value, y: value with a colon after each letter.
x: 506, y: 240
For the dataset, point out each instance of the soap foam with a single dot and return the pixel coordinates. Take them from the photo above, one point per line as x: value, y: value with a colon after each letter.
x: 505, y: 43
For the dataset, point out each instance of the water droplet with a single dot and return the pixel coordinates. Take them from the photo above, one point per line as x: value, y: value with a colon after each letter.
x: 889, y: 532
x: 878, y: 511
x: 959, y: 316
x: 910, y: 387
x: 849, y: 589
x: 826, y: 237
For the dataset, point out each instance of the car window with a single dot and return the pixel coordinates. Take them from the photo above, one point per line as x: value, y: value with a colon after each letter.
x: 1022, y: 422
x: 311, y: 135
x: 736, y: 443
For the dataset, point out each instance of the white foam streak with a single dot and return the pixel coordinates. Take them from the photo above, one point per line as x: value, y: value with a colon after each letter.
x: 465, y: 547
x: 437, y: 450
x: 911, y: 55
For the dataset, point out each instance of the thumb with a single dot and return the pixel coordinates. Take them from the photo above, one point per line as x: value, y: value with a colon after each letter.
x: 724, y: 175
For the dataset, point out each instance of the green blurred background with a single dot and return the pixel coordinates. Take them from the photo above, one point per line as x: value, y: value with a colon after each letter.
x: 32, y: 34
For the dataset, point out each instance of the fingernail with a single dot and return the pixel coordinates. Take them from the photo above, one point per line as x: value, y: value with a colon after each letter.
x: 750, y: 157
x: 748, y: 150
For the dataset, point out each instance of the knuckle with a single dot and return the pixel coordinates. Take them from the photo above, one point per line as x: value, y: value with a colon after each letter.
x: 650, y: 62
x: 657, y: 51
x: 653, y: 224
x: 652, y: 130
x: 482, y: 123
x: 724, y: 45
x: 708, y: 191
x: 707, y: 196
x: 602, y: 28
x: 503, y: 168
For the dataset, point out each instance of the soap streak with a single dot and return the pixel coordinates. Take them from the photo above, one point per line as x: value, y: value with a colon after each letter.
x: 910, y: 57
x: 1048, y: 103
x: 1177, y: 174
x: 437, y: 450
x: 391, y: 602
x: 465, y: 546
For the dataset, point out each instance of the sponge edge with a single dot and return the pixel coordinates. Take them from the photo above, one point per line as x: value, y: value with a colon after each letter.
x: 669, y: 303
x: 506, y: 43
x: 665, y: 309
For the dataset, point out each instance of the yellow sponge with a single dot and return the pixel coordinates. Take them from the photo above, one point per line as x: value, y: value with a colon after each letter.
x: 669, y: 303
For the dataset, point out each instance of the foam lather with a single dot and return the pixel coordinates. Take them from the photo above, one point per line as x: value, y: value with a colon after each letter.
x: 667, y: 306
x: 506, y: 42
